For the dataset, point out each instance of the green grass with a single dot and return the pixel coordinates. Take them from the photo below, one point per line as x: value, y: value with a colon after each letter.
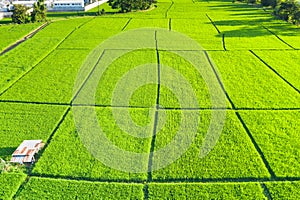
x: 41, y: 188
x: 250, y: 84
x: 284, y: 190
x: 277, y: 135
x: 205, y: 191
x: 233, y: 156
x: 19, y: 122
x: 9, y: 184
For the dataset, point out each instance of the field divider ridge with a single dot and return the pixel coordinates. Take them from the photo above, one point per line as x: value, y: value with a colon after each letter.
x: 272, y: 69
x: 167, y: 11
x: 155, y: 124
x: 26, y: 37
x: 88, y: 77
x: 258, y: 149
x: 127, y: 23
x: 266, y: 191
x: 279, y: 38
x: 172, y: 181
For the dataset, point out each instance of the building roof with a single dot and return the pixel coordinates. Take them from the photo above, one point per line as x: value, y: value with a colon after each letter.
x: 26, y: 151
x: 26, y: 146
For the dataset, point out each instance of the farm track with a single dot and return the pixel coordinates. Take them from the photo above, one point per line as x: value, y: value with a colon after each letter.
x: 26, y: 37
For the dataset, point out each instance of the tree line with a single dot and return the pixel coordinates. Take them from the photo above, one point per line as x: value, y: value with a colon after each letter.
x: 288, y: 10
x: 21, y: 15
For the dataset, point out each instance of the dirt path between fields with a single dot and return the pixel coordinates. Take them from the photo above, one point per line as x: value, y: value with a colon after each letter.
x: 18, y: 42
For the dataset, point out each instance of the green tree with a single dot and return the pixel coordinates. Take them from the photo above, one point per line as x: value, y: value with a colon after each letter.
x: 39, y: 11
x: 20, y: 15
x: 129, y: 5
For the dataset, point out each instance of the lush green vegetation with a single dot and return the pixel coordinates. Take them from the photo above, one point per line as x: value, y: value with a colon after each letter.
x: 259, y: 73
x: 19, y: 122
x: 205, y: 191
x: 250, y: 84
x: 11, y: 33
x: 284, y: 190
x: 9, y: 184
x: 42, y: 85
x: 82, y: 163
x: 41, y: 188
x: 233, y: 156
x: 273, y: 129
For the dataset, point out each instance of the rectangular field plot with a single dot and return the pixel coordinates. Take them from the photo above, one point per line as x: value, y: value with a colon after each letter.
x: 250, y: 37
x: 251, y: 84
x: 287, y: 32
x: 287, y: 67
x: 50, y: 81
x: 233, y: 155
x: 205, y: 191
x: 9, y: 184
x: 202, y: 32
x: 148, y: 23
x: 122, y: 78
x: 188, y: 81
x: 187, y: 9
x: 12, y: 33
x: 277, y: 134
x: 62, y: 28
x: 15, y: 63
x: 45, y: 188
x: 20, y: 122
x: 284, y: 190
x: 94, y: 32
x: 73, y: 147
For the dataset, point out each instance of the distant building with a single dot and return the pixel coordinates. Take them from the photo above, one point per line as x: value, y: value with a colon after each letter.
x: 26, y: 151
x: 67, y: 5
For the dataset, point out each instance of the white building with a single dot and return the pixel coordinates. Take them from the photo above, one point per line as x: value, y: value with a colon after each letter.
x: 26, y: 151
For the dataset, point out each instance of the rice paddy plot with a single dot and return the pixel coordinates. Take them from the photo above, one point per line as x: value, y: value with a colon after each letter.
x: 249, y: 37
x: 50, y: 81
x: 11, y: 33
x: 276, y: 133
x: 205, y: 191
x: 287, y: 32
x: 251, y: 84
x: 233, y: 155
x: 9, y: 184
x: 202, y: 32
x: 20, y: 122
x: 284, y: 190
x: 130, y: 80
x: 289, y: 70
x: 147, y: 23
x: 83, y: 164
x: 55, y: 189
x: 193, y: 79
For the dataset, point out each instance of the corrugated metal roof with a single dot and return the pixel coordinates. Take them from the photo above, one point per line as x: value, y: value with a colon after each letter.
x: 25, y: 152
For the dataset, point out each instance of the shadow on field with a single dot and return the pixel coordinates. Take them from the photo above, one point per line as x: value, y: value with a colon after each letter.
x: 244, y: 20
x: 6, y: 152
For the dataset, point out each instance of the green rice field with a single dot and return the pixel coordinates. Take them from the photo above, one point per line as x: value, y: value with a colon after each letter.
x: 159, y: 83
